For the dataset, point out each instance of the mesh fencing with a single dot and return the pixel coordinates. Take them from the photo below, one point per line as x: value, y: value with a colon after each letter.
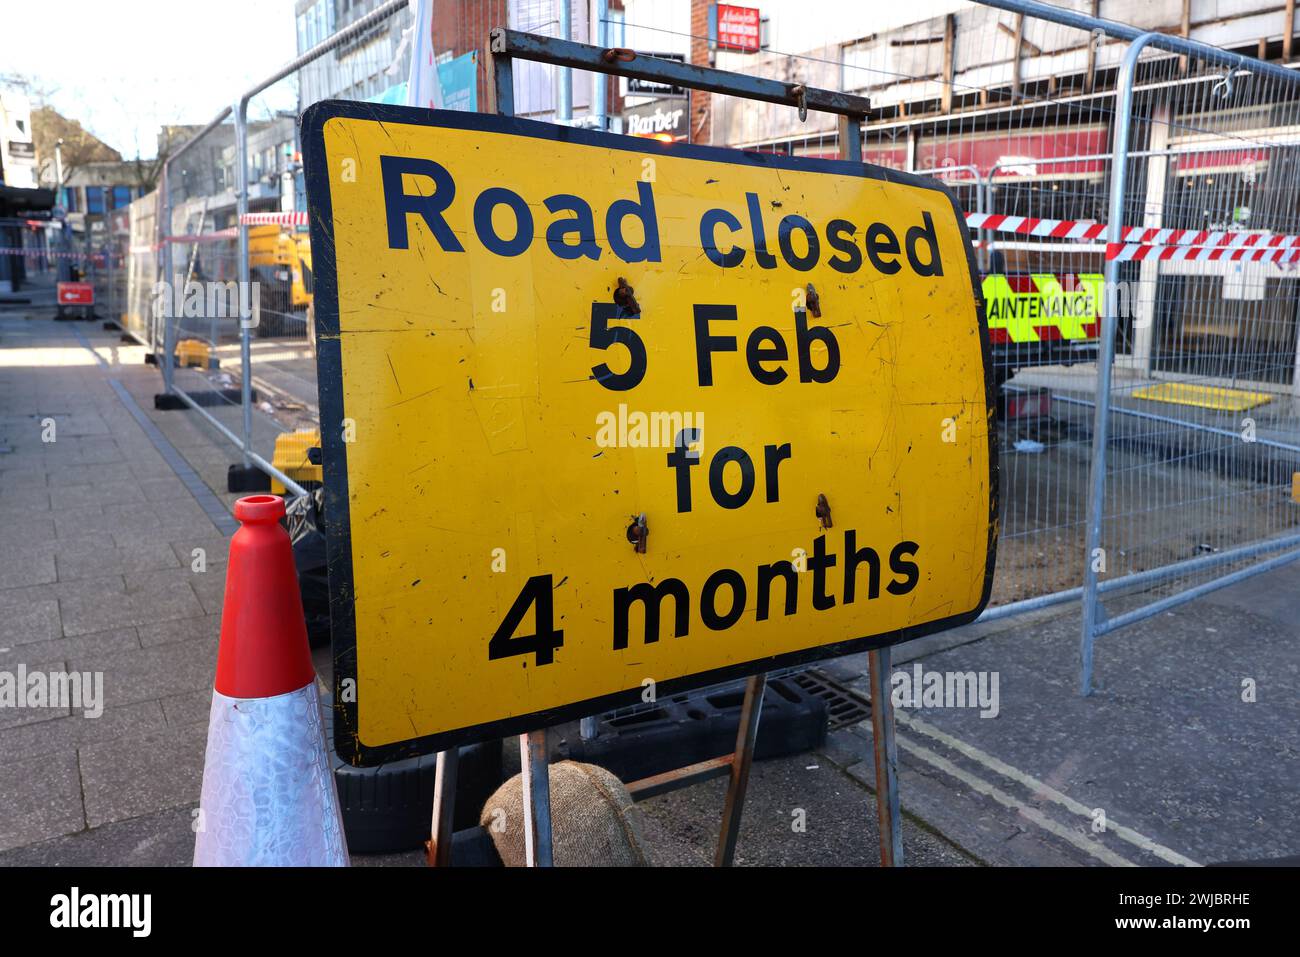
x: 1021, y: 114
x: 1204, y: 439
x: 194, y: 308
x: 369, y: 66
x: 141, y: 271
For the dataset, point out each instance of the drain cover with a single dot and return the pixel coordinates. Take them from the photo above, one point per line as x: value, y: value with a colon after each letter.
x: 844, y: 706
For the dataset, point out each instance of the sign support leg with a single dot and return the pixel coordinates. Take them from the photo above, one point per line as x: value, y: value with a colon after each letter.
x: 444, y: 808
x: 537, y: 799
x: 878, y: 661
x: 743, y: 758
x: 886, y: 754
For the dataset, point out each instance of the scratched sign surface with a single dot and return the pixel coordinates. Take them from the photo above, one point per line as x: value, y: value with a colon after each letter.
x: 604, y: 419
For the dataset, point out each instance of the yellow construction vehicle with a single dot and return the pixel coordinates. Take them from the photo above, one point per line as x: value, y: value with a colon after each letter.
x: 279, y: 261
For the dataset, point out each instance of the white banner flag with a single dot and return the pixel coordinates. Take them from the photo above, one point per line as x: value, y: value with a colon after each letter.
x: 422, y: 86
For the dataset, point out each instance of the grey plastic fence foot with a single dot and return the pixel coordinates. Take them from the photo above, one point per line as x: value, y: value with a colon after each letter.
x: 165, y: 402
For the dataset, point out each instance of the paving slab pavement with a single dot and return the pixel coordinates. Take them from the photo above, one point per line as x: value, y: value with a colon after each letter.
x: 1188, y: 751
x: 96, y: 577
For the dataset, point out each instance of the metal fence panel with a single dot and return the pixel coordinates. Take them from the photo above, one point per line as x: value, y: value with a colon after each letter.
x: 141, y: 269
x: 1196, y: 428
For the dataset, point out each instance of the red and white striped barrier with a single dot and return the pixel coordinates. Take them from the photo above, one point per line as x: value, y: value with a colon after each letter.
x: 1200, y: 237
x: 273, y: 219
x: 52, y: 254
x: 1139, y: 242
x: 1131, y: 252
x: 1030, y: 226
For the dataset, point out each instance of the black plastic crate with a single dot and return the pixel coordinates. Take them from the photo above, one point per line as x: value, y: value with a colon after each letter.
x: 688, y: 728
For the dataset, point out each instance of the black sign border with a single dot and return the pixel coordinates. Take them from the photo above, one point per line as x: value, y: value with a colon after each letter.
x: 338, y: 525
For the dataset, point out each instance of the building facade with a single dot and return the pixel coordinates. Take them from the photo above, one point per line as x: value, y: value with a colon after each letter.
x: 91, y: 193
x: 203, y: 178
x: 23, y: 205
x: 17, y: 146
x: 375, y: 64
x: 365, y: 66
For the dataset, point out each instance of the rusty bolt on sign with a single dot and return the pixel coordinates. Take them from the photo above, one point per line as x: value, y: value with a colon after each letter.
x: 628, y: 307
x: 800, y: 94
x: 638, y: 532
x: 823, y: 511
x: 813, y: 301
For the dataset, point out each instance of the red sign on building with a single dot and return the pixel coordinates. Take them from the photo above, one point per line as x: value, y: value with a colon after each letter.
x: 739, y: 28
x: 76, y: 294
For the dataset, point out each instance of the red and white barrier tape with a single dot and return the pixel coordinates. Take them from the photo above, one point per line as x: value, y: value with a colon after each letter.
x: 50, y: 254
x: 1200, y: 237
x: 1029, y: 226
x: 1138, y: 243
x: 1131, y: 252
x: 232, y: 232
x: 273, y: 219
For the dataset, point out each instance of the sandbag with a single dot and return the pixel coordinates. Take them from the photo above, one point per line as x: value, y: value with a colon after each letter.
x: 593, y: 820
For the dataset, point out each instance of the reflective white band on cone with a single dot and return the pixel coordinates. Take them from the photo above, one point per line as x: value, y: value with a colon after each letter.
x: 268, y: 791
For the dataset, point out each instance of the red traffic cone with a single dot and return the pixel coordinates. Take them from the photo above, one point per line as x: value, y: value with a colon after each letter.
x: 268, y: 790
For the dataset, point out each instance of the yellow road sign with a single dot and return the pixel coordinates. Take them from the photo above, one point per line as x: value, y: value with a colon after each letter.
x: 603, y: 419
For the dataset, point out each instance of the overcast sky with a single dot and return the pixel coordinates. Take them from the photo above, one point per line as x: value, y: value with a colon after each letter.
x: 124, y: 67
